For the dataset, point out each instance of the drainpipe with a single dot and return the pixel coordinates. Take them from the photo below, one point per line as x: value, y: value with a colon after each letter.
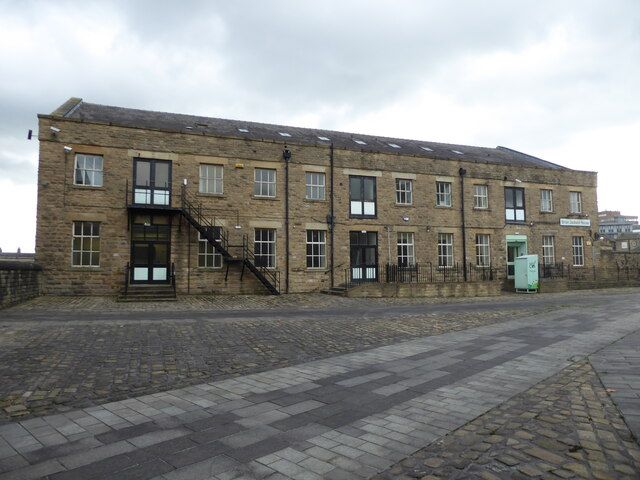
x: 286, y: 154
x: 462, y: 172
x: 331, y: 219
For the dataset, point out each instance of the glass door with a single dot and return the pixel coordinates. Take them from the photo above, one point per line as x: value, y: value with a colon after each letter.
x: 151, y: 182
x: 364, y: 256
x: 150, y: 249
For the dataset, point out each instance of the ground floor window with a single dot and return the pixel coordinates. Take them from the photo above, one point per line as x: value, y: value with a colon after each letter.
x: 548, y: 250
x: 85, y: 248
x: 578, y: 251
x: 445, y: 249
x: 483, y: 250
x: 264, y: 247
x: 207, y: 255
x: 316, y: 249
x: 406, y: 250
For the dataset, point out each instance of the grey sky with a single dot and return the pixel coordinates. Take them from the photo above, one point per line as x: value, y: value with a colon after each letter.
x: 554, y: 79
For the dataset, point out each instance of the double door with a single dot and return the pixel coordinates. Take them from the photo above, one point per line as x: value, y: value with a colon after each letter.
x: 150, y: 249
x: 363, y: 256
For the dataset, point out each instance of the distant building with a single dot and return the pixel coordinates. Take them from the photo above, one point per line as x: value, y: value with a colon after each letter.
x: 613, y: 223
x: 627, y: 242
x: 16, y: 256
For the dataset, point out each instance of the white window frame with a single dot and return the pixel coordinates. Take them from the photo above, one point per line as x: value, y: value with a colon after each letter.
x: 577, y: 251
x: 211, y: 179
x: 445, y: 250
x: 483, y: 250
x: 316, y: 249
x: 315, y: 185
x: 548, y: 250
x: 259, y: 241
x: 481, y: 197
x: 83, y: 242
x: 264, y: 182
x: 207, y: 254
x: 546, y: 204
x: 91, y: 172
x: 575, y: 202
x: 406, y: 249
x: 443, y: 194
x: 404, y: 191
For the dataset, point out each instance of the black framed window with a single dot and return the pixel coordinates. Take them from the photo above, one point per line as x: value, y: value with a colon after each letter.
x: 362, y: 196
x: 514, y: 204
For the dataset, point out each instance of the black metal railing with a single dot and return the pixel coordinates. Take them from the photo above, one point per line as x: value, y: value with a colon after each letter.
x: 260, y: 265
x: 551, y: 270
x: 418, y: 273
x: 173, y: 277
x: 127, y: 276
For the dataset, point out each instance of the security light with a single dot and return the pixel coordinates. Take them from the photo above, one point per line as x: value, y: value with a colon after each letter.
x: 54, y: 129
x: 67, y: 149
x: 518, y: 180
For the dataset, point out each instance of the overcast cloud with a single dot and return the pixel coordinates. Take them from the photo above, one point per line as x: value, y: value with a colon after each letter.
x: 560, y: 80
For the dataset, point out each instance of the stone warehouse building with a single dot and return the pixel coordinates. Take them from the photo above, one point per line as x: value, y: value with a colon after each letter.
x: 130, y: 197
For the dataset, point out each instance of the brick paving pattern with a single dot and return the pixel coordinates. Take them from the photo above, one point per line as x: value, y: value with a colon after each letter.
x: 347, y: 416
x: 564, y: 427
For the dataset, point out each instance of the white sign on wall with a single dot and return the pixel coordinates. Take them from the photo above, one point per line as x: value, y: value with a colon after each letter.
x: 575, y: 222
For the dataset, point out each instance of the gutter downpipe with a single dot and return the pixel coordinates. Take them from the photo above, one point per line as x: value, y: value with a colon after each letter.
x: 331, y: 221
x: 462, y: 172
x: 286, y: 154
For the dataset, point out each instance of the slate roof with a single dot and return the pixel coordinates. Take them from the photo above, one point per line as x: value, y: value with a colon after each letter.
x: 77, y: 109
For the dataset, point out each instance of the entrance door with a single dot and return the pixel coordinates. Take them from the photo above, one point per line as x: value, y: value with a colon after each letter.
x: 150, y: 249
x: 514, y: 249
x: 364, y: 256
x: 152, y: 182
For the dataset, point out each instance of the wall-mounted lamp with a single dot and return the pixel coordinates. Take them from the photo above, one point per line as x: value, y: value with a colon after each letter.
x: 518, y: 180
x: 405, y: 218
x: 54, y: 130
x: 67, y: 149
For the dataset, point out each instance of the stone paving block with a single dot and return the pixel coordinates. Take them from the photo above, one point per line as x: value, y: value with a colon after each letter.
x: 249, y: 436
x: 94, y: 455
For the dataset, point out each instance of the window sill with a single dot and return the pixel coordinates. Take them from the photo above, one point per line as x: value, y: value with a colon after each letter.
x: 315, y: 200
x: 87, y: 187
x: 363, y: 217
x: 205, y: 194
x: 260, y: 197
x: 404, y: 205
x: 516, y: 222
x: 317, y: 269
x: 444, y: 206
x: 482, y: 209
x: 547, y: 212
x: 84, y: 268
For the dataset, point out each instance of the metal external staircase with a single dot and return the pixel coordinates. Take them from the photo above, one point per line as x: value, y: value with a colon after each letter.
x: 216, y: 236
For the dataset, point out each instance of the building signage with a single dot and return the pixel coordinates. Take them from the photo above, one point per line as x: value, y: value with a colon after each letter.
x: 575, y: 222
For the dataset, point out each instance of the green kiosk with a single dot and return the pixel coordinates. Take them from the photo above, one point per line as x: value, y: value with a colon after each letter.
x: 526, y: 274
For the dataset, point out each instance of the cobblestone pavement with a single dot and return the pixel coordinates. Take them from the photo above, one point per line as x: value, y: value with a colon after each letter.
x: 564, y: 427
x: 347, y: 416
x: 618, y: 367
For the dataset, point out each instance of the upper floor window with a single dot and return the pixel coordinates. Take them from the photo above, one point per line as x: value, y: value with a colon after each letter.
x: 546, y: 200
x: 443, y: 194
x: 575, y: 202
x: 211, y: 179
x: 483, y: 250
x: 480, y: 196
x: 88, y: 170
x: 406, y: 251
x: 264, y: 182
x: 315, y: 185
x: 362, y: 196
x: 514, y: 204
x: 316, y: 249
x: 85, y: 248
x: 445, y: 250
x: 404, y: 191
x: 577, y: 249
x: 207, y: 255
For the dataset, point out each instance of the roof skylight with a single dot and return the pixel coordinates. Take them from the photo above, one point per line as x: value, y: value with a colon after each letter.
x: 458, y: 152
x: 243, y: 130
x: 394, y: 145
x: 360, y: 142
x: 326, y: 139
x: 426, y: 149
x: 284, y: 134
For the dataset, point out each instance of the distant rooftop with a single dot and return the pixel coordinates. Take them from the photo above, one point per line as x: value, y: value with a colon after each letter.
x: 77, y: 109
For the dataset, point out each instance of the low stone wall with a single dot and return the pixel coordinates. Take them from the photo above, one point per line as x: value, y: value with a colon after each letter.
x: 431, y: 290
x: 19, y: 281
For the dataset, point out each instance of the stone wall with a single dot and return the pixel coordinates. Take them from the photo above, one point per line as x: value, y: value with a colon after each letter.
x: 60, y: 203
x: 430, y: 290
x: 19, y: 281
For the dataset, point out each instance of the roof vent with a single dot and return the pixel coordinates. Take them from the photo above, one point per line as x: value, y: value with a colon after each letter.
x: 326, y: 139
x: 360, y: 142
x: 243, y: 130
x: 394, y: 145
x: 284, y: 134
x: 458, y: 152
x: 426, y: 149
